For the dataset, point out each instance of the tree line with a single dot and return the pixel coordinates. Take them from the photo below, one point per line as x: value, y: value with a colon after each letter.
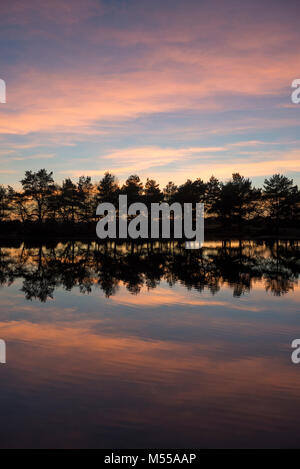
x: 236, y: 201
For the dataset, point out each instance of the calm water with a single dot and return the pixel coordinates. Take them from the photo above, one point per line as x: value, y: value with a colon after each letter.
x: 150, y: 346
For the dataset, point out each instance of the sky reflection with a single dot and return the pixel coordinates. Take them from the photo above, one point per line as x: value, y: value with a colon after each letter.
x: 167, y: 367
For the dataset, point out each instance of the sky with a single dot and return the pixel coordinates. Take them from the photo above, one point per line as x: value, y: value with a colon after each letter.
x: 170, y: 90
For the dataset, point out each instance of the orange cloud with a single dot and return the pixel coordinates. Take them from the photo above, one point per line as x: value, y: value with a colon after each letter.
x: 102, y: 78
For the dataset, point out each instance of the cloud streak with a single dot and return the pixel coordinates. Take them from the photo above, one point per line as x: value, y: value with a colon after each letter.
x: 96, y: 72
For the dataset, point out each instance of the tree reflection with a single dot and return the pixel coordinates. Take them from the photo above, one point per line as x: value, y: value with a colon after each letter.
x: 87, y: 266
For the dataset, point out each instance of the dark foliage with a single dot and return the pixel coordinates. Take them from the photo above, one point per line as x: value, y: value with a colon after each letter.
x: 236, y: 204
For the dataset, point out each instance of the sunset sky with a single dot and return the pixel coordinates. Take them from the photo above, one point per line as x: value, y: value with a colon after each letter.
x: 165, y: 89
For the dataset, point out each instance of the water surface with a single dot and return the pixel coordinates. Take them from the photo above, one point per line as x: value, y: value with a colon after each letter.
x: 151, y: 346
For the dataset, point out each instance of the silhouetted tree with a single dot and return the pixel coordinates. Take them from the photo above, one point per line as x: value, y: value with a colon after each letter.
x: 185, y: 192
x: 198, y: 190
x: 237, y: 200
x: 85, y: 198
x: 281, y: 199
x: 69, y: 201
x: 107, y: 190
x: 190, y: 192
x: 133, y: 188
x: 4, y: 202
x: 170, y: 192
x: 212, y: 195
x: 54, y: 204
x: 18, y: 203
x: 38, y: 187
x: 152, y: 192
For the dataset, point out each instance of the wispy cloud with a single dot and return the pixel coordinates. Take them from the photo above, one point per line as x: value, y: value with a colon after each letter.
x: 191, y: 163
x: 87, y: 74
x: 38, y: 156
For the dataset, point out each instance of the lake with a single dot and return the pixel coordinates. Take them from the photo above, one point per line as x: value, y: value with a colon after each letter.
x: 149, y: 345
